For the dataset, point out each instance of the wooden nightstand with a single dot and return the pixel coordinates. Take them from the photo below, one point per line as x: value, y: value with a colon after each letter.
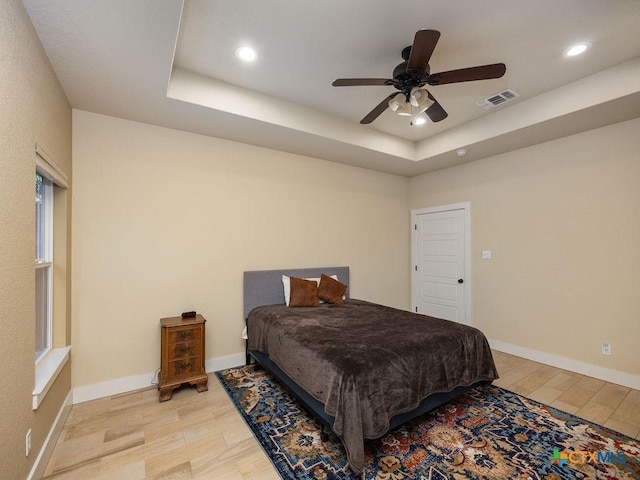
x: 181, y: 355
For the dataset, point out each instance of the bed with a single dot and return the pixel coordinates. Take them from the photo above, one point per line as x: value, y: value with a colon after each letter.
x: 361, y: 368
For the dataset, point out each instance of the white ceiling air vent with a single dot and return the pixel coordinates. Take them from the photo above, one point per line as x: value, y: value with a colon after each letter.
x: 498, y: 99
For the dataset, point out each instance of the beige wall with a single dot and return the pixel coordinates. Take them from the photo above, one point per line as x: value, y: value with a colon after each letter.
x: 167, y: 221
x: 33, y: 108
x: 563, y: 222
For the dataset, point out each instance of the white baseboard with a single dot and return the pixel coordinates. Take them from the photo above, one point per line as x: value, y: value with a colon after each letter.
x: 41, y: 461
x: 112, y: 387
x: 602, y: 373
x: 222, y: 363
x: 136, y: 382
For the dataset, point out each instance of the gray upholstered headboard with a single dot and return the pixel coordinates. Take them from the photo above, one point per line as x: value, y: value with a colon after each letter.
x: 264, y: 287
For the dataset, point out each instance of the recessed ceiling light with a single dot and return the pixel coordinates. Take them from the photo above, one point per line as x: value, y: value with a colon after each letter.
x: 577, y: 49
x: 246, y: 54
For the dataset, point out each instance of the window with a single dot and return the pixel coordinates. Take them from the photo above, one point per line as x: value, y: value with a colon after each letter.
x: 51, y: 257
x: 44, y: 262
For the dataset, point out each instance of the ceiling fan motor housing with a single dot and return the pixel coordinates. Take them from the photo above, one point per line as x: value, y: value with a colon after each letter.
x: 407, y: 80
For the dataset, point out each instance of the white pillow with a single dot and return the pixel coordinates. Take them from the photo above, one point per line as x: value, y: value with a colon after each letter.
x: 286, y: 284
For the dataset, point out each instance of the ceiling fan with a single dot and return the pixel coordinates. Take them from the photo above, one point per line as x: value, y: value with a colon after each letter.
x: 413, y: 74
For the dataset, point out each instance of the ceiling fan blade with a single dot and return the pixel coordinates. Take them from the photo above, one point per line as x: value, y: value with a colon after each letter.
x: 356, y: 82
x: 435, y: 112
x: 423, y: 45
x: 377, y: 111
x: 483, y: 72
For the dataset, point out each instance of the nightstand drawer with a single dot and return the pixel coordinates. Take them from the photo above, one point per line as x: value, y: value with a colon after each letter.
x: 184, y: 366
x: 184, y: 334
x: 176, y: 351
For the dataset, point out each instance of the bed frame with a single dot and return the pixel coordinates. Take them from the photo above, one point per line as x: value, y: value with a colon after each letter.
x: 264, y: 287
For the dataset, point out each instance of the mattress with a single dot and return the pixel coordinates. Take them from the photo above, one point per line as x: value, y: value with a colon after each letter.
x: 367, y: 363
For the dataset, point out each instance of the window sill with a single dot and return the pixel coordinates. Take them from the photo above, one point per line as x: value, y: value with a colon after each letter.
x: 47, y: 371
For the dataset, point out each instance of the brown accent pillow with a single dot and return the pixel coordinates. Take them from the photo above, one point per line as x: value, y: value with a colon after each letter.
x: 304, y: 293
x: 331, y: 290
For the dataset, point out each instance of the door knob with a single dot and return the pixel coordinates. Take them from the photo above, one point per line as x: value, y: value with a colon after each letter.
x: 460, y: 280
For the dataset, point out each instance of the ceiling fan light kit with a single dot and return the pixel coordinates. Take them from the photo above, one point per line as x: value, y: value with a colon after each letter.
x: 419, y: 98
x: 396, y: 102
x: 417, y: 104
x: 400, y: 105
x: 410, y: 76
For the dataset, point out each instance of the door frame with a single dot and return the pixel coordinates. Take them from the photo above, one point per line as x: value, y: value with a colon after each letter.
x: 466, y: 208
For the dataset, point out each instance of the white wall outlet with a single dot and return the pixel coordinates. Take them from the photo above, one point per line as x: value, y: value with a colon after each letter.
x: 486, y: 254
x: 27, y: 443
x: 606, y: 348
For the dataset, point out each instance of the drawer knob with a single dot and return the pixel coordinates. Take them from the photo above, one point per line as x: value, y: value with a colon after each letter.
x: 185, y: 334
x: 184, y: 366
x: 185, y: 349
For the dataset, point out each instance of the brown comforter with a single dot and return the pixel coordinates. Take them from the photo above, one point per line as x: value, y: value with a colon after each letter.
x: 367, y: 362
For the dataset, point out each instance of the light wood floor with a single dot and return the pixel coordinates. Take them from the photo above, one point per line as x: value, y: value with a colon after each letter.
x: 202, y: 436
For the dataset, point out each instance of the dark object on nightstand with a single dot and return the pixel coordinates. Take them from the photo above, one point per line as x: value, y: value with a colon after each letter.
x: 182, y: 355
x: 188, y: 314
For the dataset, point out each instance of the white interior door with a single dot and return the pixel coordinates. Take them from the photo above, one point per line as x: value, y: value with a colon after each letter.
x: 440, y: 280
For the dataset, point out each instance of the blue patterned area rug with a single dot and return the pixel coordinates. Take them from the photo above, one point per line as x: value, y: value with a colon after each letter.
x: 492, y: 434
